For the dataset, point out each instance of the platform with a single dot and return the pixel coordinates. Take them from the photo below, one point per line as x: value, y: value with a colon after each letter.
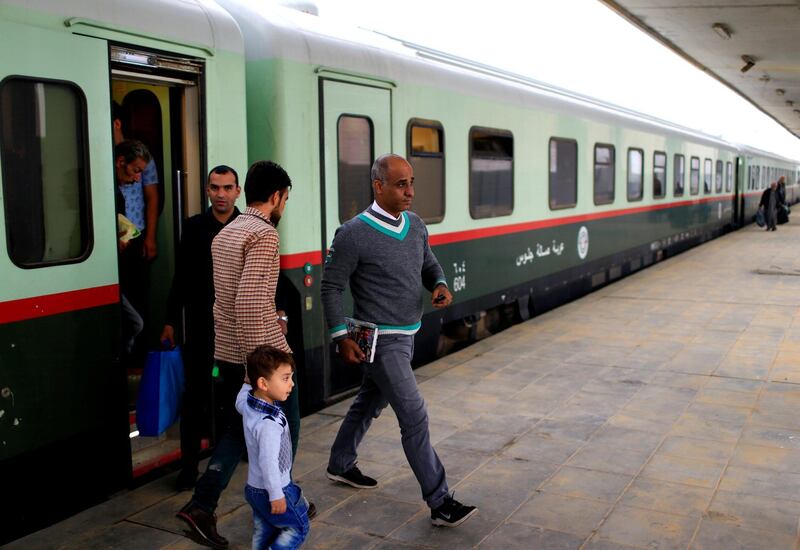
x: 662, y: 411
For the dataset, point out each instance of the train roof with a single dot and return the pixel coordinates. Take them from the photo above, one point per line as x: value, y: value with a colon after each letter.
x: 198, y: 23
x: 275, y: 32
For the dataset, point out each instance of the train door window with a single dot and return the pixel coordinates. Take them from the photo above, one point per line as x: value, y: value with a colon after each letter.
x: 355, y: 145
x: 707, y: 167
x: 718, y: 177
x: 491, y: 173
x: 45, y: 172
x: 426, y: 156
x: 563, y: 173
x: 728, y: 177
x: 604, y: 162
x: 694, y: 175
x: 679, y: 178
x: 635, y: 174
x: 659, y: 175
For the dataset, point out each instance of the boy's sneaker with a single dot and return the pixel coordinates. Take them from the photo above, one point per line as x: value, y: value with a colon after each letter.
x: 451, y: 513
x: 354, y: 478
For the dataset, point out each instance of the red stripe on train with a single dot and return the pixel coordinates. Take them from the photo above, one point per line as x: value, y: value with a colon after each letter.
x: 53, y: 304
x: 458, y: 236
x: 294, y: 261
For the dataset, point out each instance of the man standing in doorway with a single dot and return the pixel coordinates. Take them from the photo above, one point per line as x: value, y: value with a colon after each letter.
x: 193, y: 292
x: 141, y: 198
x: 246, y: 266
x: 384, y: 255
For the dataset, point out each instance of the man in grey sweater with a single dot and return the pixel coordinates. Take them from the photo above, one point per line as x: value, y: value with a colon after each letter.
x: 384, y: 255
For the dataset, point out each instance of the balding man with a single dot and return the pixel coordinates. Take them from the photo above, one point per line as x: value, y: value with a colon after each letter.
x: 384, y: 255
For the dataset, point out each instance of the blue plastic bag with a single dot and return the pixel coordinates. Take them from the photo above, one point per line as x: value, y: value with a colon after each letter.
x: 158, y: 405
x: 760, y: 221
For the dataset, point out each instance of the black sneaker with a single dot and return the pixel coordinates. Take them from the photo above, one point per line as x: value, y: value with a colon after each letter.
x: 354, y: 478
x: 204, y: 524
x: 451, y: 513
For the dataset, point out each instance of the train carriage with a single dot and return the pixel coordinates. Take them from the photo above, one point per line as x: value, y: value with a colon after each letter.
x: 533, y: 196
x: 64, y: 422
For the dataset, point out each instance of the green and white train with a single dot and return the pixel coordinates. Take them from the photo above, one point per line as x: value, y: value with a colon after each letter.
x: 533, y: 196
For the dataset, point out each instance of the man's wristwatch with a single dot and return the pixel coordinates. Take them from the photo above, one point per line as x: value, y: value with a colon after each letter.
x: 284, y: 318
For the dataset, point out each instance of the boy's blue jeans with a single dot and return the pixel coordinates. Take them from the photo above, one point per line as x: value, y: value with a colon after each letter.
x: 278, y: 531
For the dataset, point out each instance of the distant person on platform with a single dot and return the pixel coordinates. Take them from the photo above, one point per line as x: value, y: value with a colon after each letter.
x: 193, y: 293
x: 384, y: 256
x: 769, y: 202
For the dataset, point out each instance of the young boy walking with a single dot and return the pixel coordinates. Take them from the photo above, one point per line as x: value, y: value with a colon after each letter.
x: 280, y: 513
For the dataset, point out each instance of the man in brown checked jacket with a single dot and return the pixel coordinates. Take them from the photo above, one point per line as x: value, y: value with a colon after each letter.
x: 246, y: 260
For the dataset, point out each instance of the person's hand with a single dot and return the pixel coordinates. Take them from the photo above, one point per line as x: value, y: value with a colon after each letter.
x: 278, y: 506
x: 441, y: 297
x: 282, y: 323
x: 168, y: 335
x: 122, y: 245
x: 149, y: 248
x: 350, y: 351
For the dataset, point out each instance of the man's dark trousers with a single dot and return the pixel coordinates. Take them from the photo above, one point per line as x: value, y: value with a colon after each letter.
x: 390, y: 380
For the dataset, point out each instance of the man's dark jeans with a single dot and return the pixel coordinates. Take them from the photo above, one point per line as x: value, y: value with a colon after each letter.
x: 231, y: 445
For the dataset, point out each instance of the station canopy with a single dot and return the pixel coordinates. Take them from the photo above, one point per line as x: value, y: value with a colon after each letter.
x: 752, y: 46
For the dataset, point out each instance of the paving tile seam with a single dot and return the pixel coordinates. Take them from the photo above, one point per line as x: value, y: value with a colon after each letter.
x: 154, y: 527
x: 539, y: 488
x: 633, y: 479
x: 721, y: 476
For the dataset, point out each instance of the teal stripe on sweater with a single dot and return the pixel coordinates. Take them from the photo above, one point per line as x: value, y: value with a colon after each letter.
x: 373, y: 224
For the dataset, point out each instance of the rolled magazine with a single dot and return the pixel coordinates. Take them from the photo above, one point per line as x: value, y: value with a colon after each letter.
x: 364, y: 334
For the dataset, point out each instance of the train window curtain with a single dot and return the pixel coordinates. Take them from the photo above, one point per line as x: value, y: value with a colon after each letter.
x: 491, y: 173
x: 45, y: 175
x: 355, y: 145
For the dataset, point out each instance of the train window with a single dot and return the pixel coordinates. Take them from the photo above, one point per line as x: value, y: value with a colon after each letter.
x: 659, y: 174
x: 679, y: 167
x: 694, y: 175
x: 707, y: 166
x: 635, y: 174
x: 355, y: 143
x: 604, y: 160
x: 46, y: 178
x: 491, y: 173
x: 426, y: 156
x: 563, y: 173
x: 718, y: 177
x: 728, y: 177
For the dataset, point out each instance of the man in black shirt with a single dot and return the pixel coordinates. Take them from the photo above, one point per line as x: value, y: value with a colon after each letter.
x: 193, y: 290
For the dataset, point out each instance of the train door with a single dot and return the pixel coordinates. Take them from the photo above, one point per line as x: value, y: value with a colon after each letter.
x: 62, y: 423
x: 160, y: 97
x: 356, y: 127
x: 738, y: 193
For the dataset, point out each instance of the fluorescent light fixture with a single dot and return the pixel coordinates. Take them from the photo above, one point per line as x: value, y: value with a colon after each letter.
x: 134, y: 434
x: 780, y: 91
x: 722, y: 30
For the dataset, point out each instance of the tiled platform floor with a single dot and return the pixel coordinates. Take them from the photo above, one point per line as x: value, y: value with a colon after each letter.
x: 660, y: 412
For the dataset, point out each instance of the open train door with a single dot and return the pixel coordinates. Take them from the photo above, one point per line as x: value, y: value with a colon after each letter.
x: 356, y: 127
x: 738, y: 194
x: 63, y: 423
